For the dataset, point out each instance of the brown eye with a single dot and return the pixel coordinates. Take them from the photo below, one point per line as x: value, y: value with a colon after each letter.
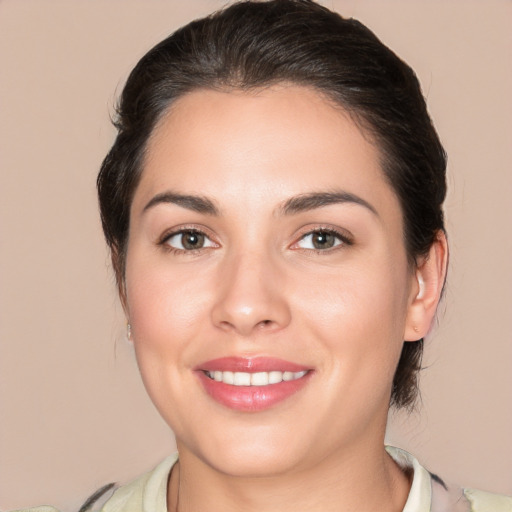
x: 192, y: 240
x: 189, y: 240
x: 321, y: 240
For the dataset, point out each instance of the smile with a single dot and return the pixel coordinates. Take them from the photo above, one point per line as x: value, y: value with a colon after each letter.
x: 252, y: 384
x: 254, y: 379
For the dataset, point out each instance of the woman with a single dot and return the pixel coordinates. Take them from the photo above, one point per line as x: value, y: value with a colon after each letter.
x: 273, y: 207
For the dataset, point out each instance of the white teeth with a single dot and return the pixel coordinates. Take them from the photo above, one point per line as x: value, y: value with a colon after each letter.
x: 288, y: 376
x: 254, y: 379
x: 228, y: 377
x: 275, y: 377
x: 259, y: 379
x: 242, y: 379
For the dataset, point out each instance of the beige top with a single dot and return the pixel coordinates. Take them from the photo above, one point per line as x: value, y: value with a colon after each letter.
x: 148, y: 493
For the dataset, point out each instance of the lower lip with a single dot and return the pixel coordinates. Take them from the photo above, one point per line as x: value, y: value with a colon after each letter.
x: 251, y: 398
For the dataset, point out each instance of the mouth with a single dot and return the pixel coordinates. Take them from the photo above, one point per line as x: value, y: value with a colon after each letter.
x: 251, y: 385
x: 254, y: 379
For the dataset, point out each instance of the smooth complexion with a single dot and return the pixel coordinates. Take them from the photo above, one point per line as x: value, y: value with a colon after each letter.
x: 263, y: 229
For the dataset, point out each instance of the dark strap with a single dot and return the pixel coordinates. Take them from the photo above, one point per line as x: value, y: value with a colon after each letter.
x: 91, y: 500
x: 447, y: 498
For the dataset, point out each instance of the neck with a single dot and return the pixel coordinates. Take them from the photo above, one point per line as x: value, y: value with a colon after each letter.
x: 363, y: 478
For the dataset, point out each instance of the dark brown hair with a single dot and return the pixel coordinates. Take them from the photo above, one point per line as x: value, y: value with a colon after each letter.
x: 253, y: 44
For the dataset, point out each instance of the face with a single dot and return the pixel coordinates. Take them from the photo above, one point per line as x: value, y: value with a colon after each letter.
x: 267, y: 283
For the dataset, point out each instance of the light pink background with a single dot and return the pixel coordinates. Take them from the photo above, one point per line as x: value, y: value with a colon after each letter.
x: 74, y: 414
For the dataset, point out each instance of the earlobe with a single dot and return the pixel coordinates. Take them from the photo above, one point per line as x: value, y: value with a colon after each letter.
x: 427, y: 289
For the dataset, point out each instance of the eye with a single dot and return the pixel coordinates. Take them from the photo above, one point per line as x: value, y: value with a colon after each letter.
x: 322, y: 239
x: 188, y: 240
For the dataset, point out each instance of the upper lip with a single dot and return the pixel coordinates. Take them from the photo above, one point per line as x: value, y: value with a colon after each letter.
x: 250, y: 365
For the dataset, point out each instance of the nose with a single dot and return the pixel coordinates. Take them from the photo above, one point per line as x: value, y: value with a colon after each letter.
x: 251, y: 297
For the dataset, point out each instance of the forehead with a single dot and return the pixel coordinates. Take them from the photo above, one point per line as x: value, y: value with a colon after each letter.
x: 265, y: 144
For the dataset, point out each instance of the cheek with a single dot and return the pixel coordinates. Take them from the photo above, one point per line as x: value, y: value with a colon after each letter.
x: 359, y: 315
x: 166, y: 307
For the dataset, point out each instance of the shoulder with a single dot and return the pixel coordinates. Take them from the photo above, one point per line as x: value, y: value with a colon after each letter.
x: 147, y: 493
x: 144, y: 494
x: 482, y: 501
x: 429, y: 493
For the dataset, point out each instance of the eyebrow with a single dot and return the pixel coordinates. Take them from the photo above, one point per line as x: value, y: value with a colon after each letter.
x: 198, y: 204
x: 296, y: 204
x: 313, y: 200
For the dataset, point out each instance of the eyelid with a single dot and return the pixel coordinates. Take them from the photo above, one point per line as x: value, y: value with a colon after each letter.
x: 343, y: 235
x: 169, y: 233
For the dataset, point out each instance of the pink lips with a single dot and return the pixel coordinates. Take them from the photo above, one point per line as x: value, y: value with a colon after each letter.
x: 251, y: 398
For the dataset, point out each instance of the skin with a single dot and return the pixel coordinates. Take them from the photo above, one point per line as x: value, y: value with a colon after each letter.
x: 259, y: 288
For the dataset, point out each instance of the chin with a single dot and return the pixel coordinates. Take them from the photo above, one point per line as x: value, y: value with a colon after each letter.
x: 249, y: 453
x: 256, y: 463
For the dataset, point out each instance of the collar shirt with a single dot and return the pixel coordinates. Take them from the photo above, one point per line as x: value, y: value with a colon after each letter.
x: 428, y: 493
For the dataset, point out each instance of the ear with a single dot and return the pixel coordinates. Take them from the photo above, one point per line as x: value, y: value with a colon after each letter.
x: 426, y: 289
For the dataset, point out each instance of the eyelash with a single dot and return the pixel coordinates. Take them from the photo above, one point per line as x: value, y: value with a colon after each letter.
x: 163, y: 242
x: 344, y: 238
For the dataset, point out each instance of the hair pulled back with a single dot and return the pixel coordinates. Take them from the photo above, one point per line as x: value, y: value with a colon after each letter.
x: 253, y: 44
